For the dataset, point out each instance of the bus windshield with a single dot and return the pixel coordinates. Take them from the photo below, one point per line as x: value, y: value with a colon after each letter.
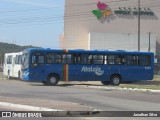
x: 25, y: 61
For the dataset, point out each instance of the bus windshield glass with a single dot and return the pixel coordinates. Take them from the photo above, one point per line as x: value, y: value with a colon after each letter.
x: 25, y: 61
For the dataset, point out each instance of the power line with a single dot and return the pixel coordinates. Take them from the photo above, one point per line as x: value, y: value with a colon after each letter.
x: 39, y: 19
x: 42, y: 8
x: 23, y: 10
x: 35, y: 9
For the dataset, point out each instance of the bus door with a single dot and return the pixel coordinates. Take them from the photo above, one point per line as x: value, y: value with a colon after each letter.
x: 37, y: 69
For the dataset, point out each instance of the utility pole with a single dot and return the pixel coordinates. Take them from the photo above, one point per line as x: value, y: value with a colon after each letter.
x: 149, y: 44
x: 139, y: 25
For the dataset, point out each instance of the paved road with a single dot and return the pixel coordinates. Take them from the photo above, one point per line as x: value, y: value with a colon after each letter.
x: 99, y: 99
x: 76, y: 98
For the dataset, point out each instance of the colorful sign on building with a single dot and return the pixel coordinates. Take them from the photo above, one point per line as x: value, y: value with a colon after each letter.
x: 103, y: 10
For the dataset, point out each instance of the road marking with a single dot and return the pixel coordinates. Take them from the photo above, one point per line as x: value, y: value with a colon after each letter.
x: 26, y: 107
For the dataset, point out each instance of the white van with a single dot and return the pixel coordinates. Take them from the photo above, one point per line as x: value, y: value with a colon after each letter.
x: 12, y: 65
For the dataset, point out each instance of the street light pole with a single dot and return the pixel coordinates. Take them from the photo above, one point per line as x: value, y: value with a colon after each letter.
x: 149, y: 44
x: 139, y: 25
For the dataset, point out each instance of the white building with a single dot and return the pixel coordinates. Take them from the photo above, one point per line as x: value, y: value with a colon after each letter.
x: 112, y: 25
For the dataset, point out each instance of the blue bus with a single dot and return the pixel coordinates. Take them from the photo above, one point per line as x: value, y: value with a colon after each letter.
x: 110, y: 67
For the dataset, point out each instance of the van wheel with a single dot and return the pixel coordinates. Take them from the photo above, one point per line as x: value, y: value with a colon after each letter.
x: 105, y: 82
x: 53, y: 80
x: 19, y: 75
x: 115, y: 80
x: 8, y: 76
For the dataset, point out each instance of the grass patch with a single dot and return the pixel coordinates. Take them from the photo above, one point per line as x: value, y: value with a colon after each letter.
x: 157, y: 77
x: 149, y: 84
x: 154, y: 87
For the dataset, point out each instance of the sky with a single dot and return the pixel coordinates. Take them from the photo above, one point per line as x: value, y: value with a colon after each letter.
x: 32, y: 22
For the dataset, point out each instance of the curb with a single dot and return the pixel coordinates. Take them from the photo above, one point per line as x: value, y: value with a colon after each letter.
x: 137, y: 89
x: 114, y: 88
x: 26, y: 107
x: 52, y: 112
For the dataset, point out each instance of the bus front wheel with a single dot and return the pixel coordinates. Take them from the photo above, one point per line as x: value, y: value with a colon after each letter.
x: 53, y: 80
x: 115, y: 80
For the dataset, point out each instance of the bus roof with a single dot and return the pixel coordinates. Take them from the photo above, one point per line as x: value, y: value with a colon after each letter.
x: 84, y: 51
x: 14, y: 53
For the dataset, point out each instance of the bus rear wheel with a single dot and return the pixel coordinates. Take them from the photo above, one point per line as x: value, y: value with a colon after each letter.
x: 53, y: 80
x: 115, y: 80
x: 105, y: 82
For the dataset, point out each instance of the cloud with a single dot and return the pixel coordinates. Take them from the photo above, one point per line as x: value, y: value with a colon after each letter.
x: 36, y: 3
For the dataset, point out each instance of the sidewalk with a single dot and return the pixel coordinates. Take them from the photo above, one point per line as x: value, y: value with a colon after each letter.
x: 142, y: 86
x: 42, y: 104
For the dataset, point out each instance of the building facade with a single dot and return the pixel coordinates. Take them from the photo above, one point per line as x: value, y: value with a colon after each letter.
x: 112, y: 25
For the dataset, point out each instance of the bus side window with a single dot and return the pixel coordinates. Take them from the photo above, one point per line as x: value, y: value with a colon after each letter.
x: 111, y: 59
x: 58, y: 58
x: 20, y: 59
x: 34, y: 59
x: 37, y: 59
x: 16, y: 59
x: 68, y: 59
x: 124, y: 61
x: 78, y: 59
x: 114, y: 59
x: 98, y: 59
x: 9, y: 59
x: 5, y: 60
x: 130, y: 60
x: 53, y: 58
x: 40, y: 59
x: 144, y: 60
x: 86, y: 59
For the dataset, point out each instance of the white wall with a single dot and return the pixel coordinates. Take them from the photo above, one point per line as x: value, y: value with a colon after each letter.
x: 122, y: 41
